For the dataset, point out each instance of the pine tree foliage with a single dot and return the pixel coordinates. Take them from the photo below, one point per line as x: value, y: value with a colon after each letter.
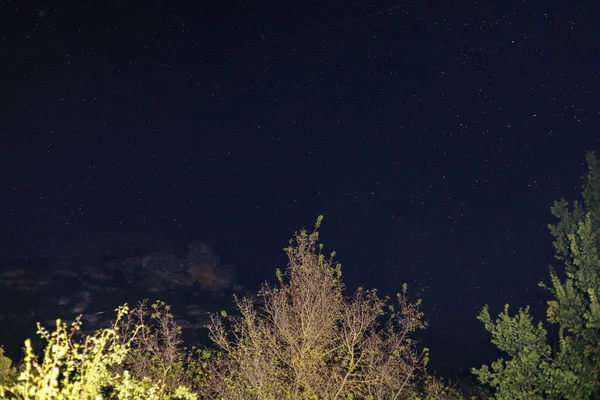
x: 534, y: 370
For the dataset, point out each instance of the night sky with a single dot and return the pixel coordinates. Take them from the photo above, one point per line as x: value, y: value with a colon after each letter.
x: 432, y: 135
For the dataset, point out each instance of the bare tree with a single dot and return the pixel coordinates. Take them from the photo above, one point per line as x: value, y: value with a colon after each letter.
x: 156, y: 349
x: 303, y: 339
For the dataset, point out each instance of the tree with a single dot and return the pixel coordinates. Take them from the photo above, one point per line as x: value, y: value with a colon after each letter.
x: 306, y: 340
x: 534, y: 370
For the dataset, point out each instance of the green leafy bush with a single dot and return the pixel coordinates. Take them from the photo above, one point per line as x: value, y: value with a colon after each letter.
x: 572, y: 371
x: 8, y: 372
x: 86, y: 369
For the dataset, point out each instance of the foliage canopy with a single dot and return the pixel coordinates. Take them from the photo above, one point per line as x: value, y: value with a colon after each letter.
x: 300, y: 339
x: 534, y: 370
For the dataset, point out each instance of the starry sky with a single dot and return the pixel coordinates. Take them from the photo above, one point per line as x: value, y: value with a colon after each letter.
x: 433, y: 136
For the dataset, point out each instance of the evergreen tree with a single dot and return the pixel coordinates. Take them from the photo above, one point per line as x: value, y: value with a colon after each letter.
x: 534, y: 370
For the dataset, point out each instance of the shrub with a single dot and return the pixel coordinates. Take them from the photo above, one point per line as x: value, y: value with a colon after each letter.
x: 86, y: 369
x: 8, y: 373
x: 533, y: 369
x: 155, y: 346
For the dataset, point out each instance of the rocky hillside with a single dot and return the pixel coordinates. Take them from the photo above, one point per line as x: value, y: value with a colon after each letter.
x: 41, y: 292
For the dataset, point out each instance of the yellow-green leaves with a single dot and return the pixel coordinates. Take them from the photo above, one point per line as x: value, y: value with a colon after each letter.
x: 319, y: 220
x: 570, y: 370
x: 72, y: 370
x: 306, y: 340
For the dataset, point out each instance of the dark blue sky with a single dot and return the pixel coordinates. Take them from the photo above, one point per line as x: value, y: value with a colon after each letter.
x: 433, y: 136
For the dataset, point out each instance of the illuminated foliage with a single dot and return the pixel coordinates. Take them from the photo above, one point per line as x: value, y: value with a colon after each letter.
x: 86, y: 369
x: 301, y: 339
x: 572, y: 371
x: 305, y: 340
